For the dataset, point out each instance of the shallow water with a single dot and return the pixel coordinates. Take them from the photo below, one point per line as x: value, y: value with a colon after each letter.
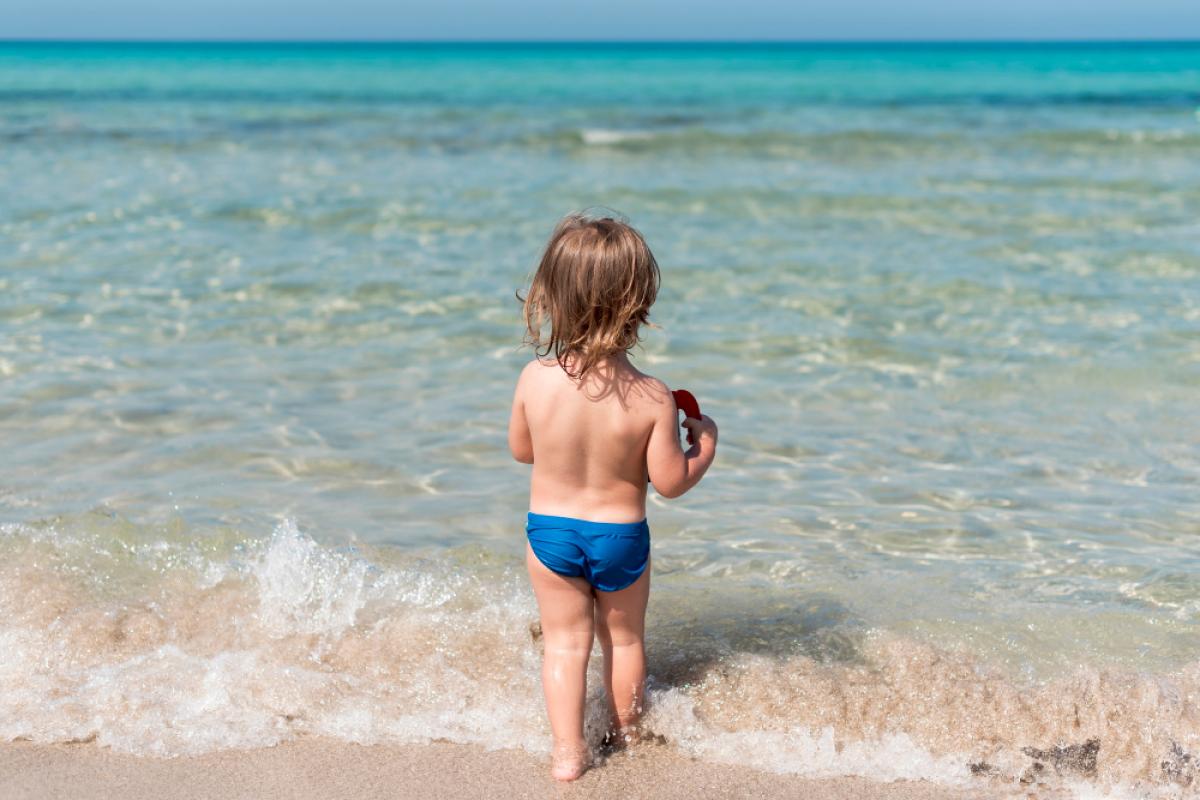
x: 258, y: 338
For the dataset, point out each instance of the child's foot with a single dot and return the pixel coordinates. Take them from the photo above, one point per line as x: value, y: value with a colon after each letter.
x: 569, y: 761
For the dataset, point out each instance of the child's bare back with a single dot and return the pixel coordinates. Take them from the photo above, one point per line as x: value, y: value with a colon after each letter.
x: 597, y: 440
x: 595, y: 429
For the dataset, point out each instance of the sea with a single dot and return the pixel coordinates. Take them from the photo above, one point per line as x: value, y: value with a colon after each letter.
x: 259, y: 336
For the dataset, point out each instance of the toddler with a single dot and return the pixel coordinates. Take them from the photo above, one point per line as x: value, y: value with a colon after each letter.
x: 595, y: 429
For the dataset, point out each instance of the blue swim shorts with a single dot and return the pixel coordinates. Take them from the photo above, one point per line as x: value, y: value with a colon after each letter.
x: 610, y: 555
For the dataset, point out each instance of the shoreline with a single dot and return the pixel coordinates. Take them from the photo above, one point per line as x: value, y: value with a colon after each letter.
x: 316, y: 767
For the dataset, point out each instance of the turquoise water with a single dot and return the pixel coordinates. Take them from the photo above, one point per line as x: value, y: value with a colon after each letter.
x: 258, y: 339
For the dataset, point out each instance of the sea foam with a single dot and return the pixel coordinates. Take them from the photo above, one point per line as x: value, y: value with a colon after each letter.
x: 156, y: 643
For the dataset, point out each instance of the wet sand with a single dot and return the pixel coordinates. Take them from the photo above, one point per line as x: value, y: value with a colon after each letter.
x: 323, y: 768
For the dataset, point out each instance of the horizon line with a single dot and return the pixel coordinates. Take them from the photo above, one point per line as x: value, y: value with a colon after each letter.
x: 647, y: 41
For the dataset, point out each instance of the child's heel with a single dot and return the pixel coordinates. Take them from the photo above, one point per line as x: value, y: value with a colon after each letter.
x: 568, y: 762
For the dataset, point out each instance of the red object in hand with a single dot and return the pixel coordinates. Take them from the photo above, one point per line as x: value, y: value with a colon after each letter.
x: 685, y: 401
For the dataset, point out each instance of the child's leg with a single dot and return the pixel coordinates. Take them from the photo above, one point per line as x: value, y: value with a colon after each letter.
x: 565, y: 605
x: 621, y: 626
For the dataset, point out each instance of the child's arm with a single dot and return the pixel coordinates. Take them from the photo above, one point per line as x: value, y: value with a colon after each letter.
x: 520, y: 442
x: 672, y: 470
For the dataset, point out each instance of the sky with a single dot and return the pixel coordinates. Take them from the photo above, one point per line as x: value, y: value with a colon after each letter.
x: 575, y: 20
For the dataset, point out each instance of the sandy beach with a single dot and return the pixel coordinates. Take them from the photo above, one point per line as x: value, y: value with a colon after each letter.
x: 324, y: 768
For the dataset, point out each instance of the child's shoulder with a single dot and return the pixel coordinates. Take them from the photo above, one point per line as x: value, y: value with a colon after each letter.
x: 628, y: 381
x: 538, y: 372
x: 645, y: 392
x: 539, y: 366
x: 651, y: 385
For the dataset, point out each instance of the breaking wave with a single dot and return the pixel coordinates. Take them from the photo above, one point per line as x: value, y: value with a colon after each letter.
x: 155, y: 642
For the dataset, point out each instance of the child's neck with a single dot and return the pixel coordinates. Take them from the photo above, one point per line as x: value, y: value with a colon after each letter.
x: 619, y: 359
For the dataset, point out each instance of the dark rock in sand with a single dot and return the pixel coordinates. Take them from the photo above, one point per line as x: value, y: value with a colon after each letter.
x: 1180, y: 766
x: 1033, y: 772
x: 1077, y: 758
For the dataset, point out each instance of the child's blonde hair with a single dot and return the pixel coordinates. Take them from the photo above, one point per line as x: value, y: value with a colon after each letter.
x: 595, y: 285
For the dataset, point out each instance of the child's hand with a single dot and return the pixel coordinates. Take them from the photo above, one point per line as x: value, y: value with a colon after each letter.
x: 703, y: 429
